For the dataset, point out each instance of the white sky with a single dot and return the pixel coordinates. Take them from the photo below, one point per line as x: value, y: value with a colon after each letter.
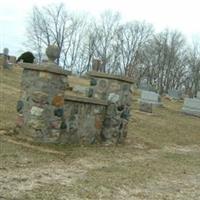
x: 182, y: 15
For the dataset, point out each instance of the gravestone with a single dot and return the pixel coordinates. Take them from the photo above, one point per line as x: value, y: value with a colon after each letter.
x: 191, y: 106
x: 198, y: 95
x: 150, y: 98
x: 5, y: 58
x: 175, y: 94
x: 145, y: 86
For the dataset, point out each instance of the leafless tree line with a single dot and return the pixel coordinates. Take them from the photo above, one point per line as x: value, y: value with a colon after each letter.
x: 133, y: 49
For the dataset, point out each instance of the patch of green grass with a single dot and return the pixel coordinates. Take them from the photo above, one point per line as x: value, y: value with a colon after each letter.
x: 10, y: 81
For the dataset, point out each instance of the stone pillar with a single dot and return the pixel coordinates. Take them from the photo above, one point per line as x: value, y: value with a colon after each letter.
x: 5, y: 58
x: 40, y: 108
x: 117, y: 92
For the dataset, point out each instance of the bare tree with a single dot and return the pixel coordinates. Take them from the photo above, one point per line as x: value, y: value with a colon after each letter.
x: 193, y: 78
x: 131, y: 49
x: 87, y: 50
x: 165, y: 60
x: 49, y: 25
x: 105, y: 35
x: 74, y: 41
x: 132, y: 37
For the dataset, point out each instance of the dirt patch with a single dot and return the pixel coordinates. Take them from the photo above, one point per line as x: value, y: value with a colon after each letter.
x: 24, y: 180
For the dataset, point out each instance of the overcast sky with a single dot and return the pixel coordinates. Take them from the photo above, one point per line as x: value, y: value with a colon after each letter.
x: 182, y: 15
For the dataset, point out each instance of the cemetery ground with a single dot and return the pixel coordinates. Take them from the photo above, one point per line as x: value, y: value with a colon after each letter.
x: 159, y: 160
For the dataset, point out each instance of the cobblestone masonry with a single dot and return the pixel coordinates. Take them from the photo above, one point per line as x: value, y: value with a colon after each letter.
x: 83, y: 120
x: 46, y: 115
x: 41, y: 107
x: 117, y: 92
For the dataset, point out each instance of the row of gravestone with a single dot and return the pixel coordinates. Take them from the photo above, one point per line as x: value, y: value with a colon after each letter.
x: 150, y: 99
x: 172, y: 93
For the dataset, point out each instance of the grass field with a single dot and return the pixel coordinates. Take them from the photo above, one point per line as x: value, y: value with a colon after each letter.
x: 160, y: 159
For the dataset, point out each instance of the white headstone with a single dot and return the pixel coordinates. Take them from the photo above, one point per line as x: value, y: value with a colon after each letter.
x: 150, y: 97
x: 191, y: 106
x: 198, y: 95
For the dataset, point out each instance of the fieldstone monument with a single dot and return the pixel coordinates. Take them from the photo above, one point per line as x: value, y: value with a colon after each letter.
x: 46, y: 113
x: 191, y: 106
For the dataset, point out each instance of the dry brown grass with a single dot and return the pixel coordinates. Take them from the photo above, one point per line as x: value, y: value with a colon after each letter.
x: 9, y: 94
x: 159, y: 161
